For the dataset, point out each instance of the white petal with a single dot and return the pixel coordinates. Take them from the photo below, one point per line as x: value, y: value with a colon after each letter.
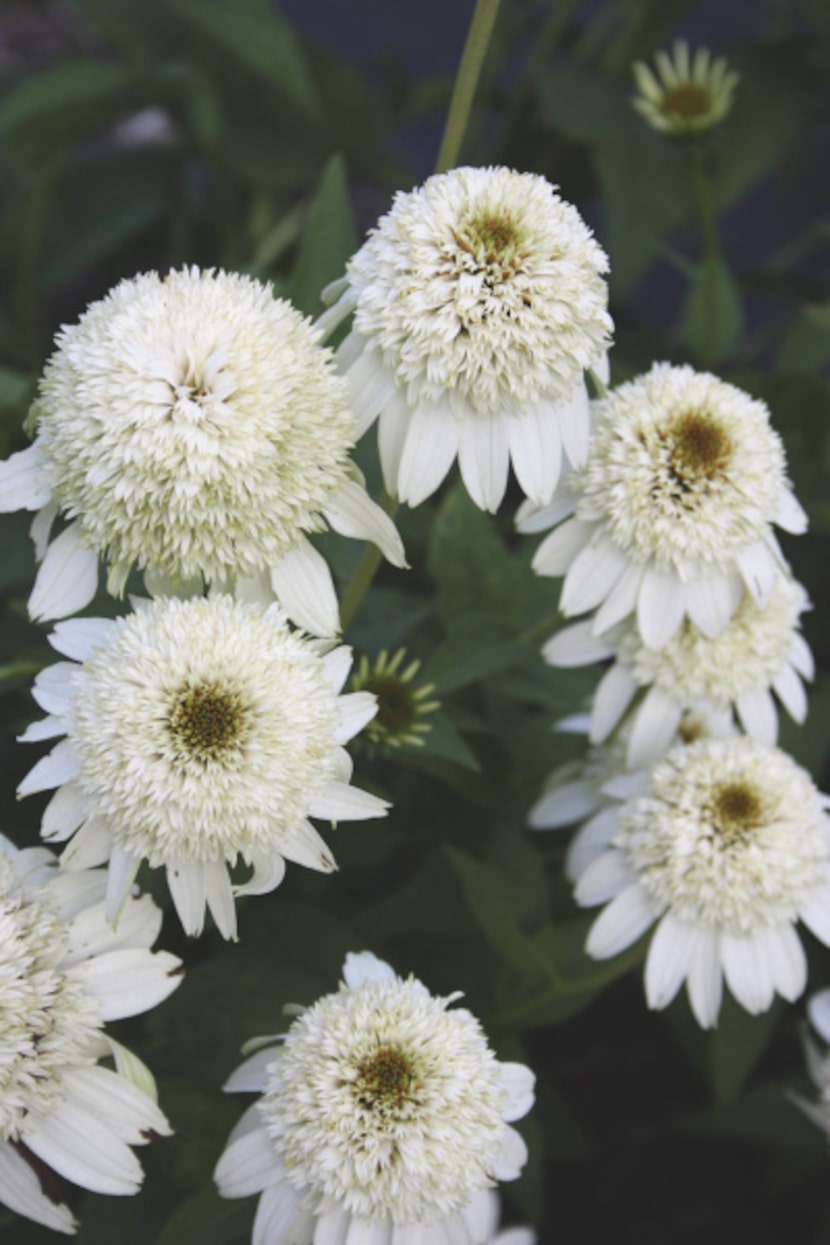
x: 219, y: 897
x: 655, y: 723
x: 711, y: 603
x: 351, y: 512
x: 43, y: 728
x: 756, y: 709
x: 187, y: 890
x: 369, y: 1232
x: 250, y: 1076
x: 626, y: 786
x: 532, y: 518
x: 517, y: 1082
x: 360, y: 967
x: 704, y: 981
x: 603, y: 879
x: 20, y: 1191
x: 621, y: 600
x: 747, y: 972
x: 626, y: 918
x: 304, y: 588
x: 90, y: 847
x: 516, y: 1236
x: 791, y: 693
x: 563, y: 805
x: 481, y: 1214
x: 594, y: 573
x: 576, y: 646
x: 782, y: 950
x: 591, y: 840
x: 248, y: 1165
x: 790, y: 514
x: 41, y: 529
x: 24, y: 480
x: 759, y: 571
x: 557, y: 551
x: 337, y: 801
x: 536, y: 451
x: 77, y: 637
x: 613, y: 696
x: 336, y: 666
x: 130, y: 980
x: 268, y: 872
x: 53, y: 687
x: 660, y: 607
x: 430, y: 446
x: 815, y: 913
x: 393, y: 426
x: 67, y: 579
x: 818, y: 1009
x: 120, y: 876
x: 371, y: 385
x: 801, y: 656
x: 484, y: 458
x: 332, y: 1227
x: 668, y: 961
x: 90, y: 933
x: 84, y: 1150
x: 575, y: 425
x: 305, y: 847
x: 279, y: 1220
x: 512, y: 1158
x: 119, y: 1104
x: 60, y: 766
x: 354, y: 710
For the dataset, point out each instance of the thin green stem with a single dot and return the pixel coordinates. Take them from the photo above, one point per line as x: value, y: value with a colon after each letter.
x: 705, y: 203
x: 466, y: 81
x: 366, y: 569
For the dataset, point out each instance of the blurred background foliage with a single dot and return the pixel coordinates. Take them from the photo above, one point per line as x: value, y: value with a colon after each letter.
x: 140, y: 134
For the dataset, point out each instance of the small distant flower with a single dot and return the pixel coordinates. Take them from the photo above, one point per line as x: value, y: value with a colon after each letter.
x: 401, y: 701
x: 725, y: 850
x: 479, y: 302
x: 194, y: 426
x: 686, y: 95
x: 759, y: 652
x: 383, y: 1117
x: 672, y: 513
x: 197, y: 732
x: 64, y: 972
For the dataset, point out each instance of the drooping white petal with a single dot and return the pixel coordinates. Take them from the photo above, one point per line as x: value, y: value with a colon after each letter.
x: 481, y: 1214
x: 91, y: 934
x: 621, y: 923
x: 704, y: 979
x: 512, y: 1157
x: 304, y: 587
x: 337, y: 801
x: 620, y: 602
x: 43, y: 728
x: 40, y: 529
x: 653, y: 727
x: 393, y: 426
x: 269, y: 871
x: 67, y: 579
x: 24, y: 480
x: 90, y: 847
x: 661, y: 604
x: 53, y: 686
x: 668, y: 959
x: 120, y: 876
x: 336, y: 666
x: 818, y: 1009
x: 371, y: 385
x: 531, y: 517
x: 791, y: 693
x: 369, y: 1232
x: 518, y: 1083
x: 248, y: 1165
x: 355, y: 710
x: 756, y: 709
x: 781, y: 949
x: 591, y: 840
x: 118, y: 1103
x: 748, y: 974
x: 574, y: 417
x: 60, y: 766
x: 77, y: 637
x: 603, y: 879
x: 484, y: 458
x: 219, y: 897
x: 305, y: 847
x: 362, y: 966
x: 815, y: 913
x: 758, y: 568
x: 614, y: 694
x: 801, y: 656
x: 251, y: 1075
x: 592, y: 576
x: 84, y: 1150
x: 187, y: 890
x: 712, y: 602
x: 535, y: 451
x: 576, y: 646
x: 430, y: 446
x: 351, y: 512
x: 129, y: 981
x: 565, y: 804
x: 558, y: 550
x: 279, y: 1217
x: 332, y: 1227
x: 20, y: 1191
x: 790, y: 514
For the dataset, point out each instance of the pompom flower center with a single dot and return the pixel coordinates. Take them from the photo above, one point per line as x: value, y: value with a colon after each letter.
x: 490, y: 237
x: 208, y: 721
x: 700, y: 449
x: 387, y: 1081
x: 687, y: 100
x: 736, y: 809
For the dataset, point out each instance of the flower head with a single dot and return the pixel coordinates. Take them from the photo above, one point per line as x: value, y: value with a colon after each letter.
x: 672, y: 513
x: 727, y: 848
x: 402, y: 702
x: 381, y: 1110
x: 684, y: 95
x: 759, y: 652
x: 197, y: 732
x: 479, y: 302
x: 64, y: 972
x: 194, y: 426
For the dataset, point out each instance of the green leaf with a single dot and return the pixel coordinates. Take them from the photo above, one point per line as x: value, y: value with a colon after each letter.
x: 328, y: 241
x: 207, y: 1219
x: 260, y: 41
x: 68, y: 96
x: 443, y: 740
x: 713, y: 316
x: 806, y: 346
x: 476, y: 646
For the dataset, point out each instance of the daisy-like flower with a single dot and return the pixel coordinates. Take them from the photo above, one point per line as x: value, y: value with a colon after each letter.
x: 383, y: 1120
x: 194, y: 426
x: 479, y: 302
x: 196, y: 732
x: 726, y: 849
x: 760, y: 651
x: 64, y: 972
x: 671, y: 515
x: 684, y: 95
x: 402, y: 702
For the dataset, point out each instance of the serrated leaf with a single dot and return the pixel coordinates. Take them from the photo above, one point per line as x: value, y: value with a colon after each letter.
x: 713, y: 316
x: 328, y: 241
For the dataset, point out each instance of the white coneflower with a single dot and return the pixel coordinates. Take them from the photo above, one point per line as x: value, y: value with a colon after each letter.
x: 684, y: 95
x: 197, y: 732
x: 759, y: 652
x: 194, y: 426
x: 672, y: 513
x: 383, y: 1119
x: 479, y: 302
x: 726, y: 849
x: 64, y: 972
x: 403, y: 702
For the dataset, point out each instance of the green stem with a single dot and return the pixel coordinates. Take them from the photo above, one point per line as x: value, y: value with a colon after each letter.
x: 526, y: 1011
x: 366, y: 569
x: 711, y: 248
x: 466, y: 81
